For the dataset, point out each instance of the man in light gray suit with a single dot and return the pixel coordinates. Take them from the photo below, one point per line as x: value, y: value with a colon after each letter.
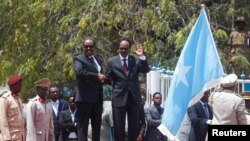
x: 153, y: 116
x: 124, y: 70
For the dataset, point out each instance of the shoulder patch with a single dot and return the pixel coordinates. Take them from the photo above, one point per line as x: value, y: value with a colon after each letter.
x: 5, y: 94
x: 238, y: 95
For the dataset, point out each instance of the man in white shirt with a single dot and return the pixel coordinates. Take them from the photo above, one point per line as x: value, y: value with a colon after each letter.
x: 58, y: 105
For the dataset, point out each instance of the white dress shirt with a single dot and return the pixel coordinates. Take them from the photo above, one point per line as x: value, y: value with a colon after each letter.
x: 72, y: 135
x: 97, y: 64
x: 55, y: 106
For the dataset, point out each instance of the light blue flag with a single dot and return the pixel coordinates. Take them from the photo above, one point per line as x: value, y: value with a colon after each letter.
x: 198, y: 69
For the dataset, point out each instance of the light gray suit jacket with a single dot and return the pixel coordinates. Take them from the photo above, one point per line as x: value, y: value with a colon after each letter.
x: 153, y: 118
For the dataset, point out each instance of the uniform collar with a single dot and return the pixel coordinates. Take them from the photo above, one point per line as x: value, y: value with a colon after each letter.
x: 14, y: 95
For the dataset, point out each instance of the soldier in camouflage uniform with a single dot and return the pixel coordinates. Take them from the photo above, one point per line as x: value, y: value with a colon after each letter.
x: 238, y: 43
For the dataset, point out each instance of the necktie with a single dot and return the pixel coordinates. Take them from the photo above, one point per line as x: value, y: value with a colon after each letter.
x: 206, y: 110
x: 93, y: 62
x: 159, y: 110
x: 125, y: 66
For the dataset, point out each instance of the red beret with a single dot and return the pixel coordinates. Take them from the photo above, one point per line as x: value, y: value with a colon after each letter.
x: 14, y: 79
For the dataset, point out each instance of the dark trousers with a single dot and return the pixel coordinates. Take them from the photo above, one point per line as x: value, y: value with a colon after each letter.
x: 56, y: 137
x: 119, y: 117
x: 86, y: 111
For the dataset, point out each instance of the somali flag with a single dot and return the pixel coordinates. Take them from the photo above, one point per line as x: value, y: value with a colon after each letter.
x: 198, y: 69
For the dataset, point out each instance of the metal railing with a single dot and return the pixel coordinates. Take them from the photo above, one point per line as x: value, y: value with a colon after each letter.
x: 160, y: 82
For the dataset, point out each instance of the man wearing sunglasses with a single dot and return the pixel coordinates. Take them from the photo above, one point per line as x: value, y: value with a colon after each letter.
x: 88, y: 98
x: 124, y: 70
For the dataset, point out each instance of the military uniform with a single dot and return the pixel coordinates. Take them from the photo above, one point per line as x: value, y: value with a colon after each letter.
x: 234, y: 114
x: 11, y: 118
x: 228, y: 107
x: 238, y: 45
x: 237, y: 42
x: 39, y: 120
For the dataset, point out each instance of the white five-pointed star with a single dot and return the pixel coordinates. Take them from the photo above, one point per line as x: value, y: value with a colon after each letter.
x: 181, y: 74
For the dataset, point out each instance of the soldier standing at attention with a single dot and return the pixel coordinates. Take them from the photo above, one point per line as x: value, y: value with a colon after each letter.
x: 11, y: 118
x: 39, y: 114
x: 238, y: 43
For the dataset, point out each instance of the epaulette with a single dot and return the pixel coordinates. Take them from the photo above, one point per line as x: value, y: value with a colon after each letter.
x: 238, y: 95
x: 33, y: 99
x: 4, y: 94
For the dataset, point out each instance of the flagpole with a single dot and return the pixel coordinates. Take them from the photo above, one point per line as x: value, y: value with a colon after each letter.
x: 195, y: 72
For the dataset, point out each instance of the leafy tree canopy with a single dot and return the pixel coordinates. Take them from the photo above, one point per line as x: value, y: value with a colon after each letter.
x: 40, y: 37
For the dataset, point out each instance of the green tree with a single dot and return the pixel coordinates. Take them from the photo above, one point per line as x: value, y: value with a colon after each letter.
x: 39, y: 38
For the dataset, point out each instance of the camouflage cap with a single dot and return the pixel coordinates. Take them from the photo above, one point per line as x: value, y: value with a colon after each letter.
x: 240, y: 19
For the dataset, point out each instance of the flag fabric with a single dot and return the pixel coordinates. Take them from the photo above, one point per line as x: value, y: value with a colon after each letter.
x: 198, y: 69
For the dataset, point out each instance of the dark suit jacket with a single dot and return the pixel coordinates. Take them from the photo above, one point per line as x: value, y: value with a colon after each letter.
x: 63, y: 105
x: 153, y: 118
x: 198, y: 120
x: 88, y: 89
x: 67, y: 125
x: 123, y: 84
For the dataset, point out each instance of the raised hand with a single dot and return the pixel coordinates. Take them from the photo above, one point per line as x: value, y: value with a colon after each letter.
x: 139, y: 50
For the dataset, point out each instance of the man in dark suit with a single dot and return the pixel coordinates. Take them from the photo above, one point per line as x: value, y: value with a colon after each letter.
x: 67, y: 122
x: 124, y: 70
x: 200, y: 115
x: 58, y: 105
x: 153, y: 116
x: 88, y: 96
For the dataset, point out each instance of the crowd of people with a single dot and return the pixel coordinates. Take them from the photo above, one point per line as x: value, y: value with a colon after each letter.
x: 45, y: 114
x: 86, y: 116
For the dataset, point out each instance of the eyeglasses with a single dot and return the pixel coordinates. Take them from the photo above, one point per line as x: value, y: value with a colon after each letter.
x: 88, y: 46
x: 123, y: 48
x: 54, y: 92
